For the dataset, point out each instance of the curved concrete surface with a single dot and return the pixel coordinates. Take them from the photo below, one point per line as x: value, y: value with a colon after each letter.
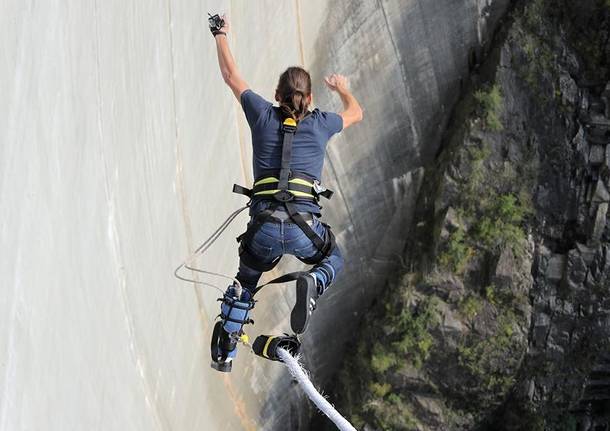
x: 119, y: 144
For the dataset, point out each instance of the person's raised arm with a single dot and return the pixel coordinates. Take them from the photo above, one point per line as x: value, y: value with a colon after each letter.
x: 352, y: 112
x: 228, y: 68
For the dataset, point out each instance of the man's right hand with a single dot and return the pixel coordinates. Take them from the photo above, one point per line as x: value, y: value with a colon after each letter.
x: 337, y: 82
x: 352, y: 112
x: 225, y: 27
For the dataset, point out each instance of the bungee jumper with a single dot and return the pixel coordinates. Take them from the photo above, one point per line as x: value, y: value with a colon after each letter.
x: 289, y: 143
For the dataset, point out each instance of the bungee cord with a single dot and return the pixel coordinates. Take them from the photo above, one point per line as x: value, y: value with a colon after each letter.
x: 301, y: 376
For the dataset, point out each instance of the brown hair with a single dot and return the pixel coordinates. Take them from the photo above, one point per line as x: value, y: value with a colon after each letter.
x: 292, y: 90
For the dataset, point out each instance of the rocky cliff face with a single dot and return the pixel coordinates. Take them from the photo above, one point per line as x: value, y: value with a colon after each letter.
x: 500, y: 318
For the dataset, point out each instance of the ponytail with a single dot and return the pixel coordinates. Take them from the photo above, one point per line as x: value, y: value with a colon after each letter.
x: 293, y: 88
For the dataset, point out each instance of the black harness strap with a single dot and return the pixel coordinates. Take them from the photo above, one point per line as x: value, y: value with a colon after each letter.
x: 307, y: 230
x: 283, y: 198
x: 242, y: 190
x: 329, y: 243
x: 289, y: 131
x: 291, y: 276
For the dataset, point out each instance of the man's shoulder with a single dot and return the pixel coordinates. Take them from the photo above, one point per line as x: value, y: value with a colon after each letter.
x: 314, y: 115
x: 315, y: 112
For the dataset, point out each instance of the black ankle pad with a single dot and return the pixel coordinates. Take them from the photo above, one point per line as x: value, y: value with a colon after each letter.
x: 266, y: 346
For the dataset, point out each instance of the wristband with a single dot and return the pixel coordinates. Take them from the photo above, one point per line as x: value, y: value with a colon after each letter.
x: 216, y: 33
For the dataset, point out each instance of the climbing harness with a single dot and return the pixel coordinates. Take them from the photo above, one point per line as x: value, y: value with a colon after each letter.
x: 285, y: 188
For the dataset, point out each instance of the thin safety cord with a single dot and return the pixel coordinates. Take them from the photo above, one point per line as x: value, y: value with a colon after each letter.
x: 203, y: 248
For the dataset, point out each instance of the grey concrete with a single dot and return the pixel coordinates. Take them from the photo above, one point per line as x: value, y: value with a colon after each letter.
x: 119, y: 144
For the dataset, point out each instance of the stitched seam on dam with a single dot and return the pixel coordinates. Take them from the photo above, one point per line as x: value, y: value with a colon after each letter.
x: 300, y: 32
x: 340, y: 192
x: 402, y: 74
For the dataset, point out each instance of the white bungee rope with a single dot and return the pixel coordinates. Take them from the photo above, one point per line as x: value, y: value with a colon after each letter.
x: 301, y: 376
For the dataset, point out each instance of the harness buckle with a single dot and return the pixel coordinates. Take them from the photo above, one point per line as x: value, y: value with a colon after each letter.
x: 317, y: 187
x: 283, y: 196
x: 289, y: 125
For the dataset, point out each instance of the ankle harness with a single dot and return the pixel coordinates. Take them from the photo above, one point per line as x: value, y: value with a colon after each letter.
x: 266, y: 345
x: 234, y: 315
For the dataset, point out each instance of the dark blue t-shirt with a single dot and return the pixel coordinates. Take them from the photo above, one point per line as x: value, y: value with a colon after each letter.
x: 308, y: 146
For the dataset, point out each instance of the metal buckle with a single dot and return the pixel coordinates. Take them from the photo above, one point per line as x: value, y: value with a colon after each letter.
x: 290, y: 128
x: 283, y: 196
x: 318, y: 187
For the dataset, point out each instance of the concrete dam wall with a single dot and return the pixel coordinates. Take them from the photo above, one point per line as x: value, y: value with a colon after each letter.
x: 119, y: 144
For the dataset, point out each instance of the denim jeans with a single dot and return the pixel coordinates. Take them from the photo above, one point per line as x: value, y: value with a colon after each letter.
x: 274, y: 239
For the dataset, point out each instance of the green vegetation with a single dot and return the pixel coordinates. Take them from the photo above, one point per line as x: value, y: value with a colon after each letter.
x: 410, y: 339
x: 491, y: 361
x: 470, y: 306
x: 475, y: 190
x: 492, y: 205
x: 490, y: 294
x: 503, y: 298
x: 492, y: 202
x: 380, y: 390
x: 391, y: 414
x: 457, y: 253
x: 407, y: 340
x: 537, y: 64
x: 413, y: 329
x: 500, y: 223
x: 496, y: 222
x: 490, y: 105
x: 382, y: 359
x: 537, y: 67
x: 534, y: 13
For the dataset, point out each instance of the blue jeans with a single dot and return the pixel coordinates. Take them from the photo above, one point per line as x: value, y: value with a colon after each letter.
x: 274, y: 239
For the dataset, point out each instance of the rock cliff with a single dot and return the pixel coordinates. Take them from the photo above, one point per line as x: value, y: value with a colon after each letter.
x: 500, y: 318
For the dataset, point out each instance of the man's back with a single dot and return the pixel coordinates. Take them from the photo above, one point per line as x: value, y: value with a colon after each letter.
x: 308, y: 147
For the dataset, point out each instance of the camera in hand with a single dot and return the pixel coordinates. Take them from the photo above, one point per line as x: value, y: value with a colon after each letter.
x: 216, y: 23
